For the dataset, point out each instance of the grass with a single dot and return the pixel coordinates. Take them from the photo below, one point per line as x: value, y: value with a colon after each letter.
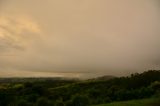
x: 142, y: 102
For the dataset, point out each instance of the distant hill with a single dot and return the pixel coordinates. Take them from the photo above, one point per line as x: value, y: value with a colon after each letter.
x: 35, y: 79
x: 105, y: 78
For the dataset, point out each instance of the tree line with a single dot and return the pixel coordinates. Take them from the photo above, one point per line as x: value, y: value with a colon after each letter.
x: 80, y: 93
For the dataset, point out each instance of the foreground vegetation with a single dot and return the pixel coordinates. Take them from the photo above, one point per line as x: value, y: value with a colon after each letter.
x: 62, y: 92
x: 142, y: 102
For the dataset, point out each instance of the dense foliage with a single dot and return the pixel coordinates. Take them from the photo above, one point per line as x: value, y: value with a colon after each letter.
x: 79, y: 93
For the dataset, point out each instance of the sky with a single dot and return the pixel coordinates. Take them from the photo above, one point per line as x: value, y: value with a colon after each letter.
x: 78, y: 38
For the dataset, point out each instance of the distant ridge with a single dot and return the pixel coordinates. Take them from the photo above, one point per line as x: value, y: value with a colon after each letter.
x: 35, y: 79
x: 106, y: 77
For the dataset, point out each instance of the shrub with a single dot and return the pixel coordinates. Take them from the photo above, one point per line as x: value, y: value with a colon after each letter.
x: 59, y: 103
x: 22, y: 102
x: 43, y: 102
x: 79, y: 100
x: 156, y: 86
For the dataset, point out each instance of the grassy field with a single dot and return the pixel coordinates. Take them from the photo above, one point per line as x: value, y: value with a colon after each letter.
x: 143, y: 102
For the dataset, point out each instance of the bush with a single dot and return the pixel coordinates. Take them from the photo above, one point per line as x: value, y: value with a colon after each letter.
x: 155, y: 86
x: 43, y: 102
x: 79, y: 100
x: 59, y: 103
x: 22, y: 103
x: 69, y: 103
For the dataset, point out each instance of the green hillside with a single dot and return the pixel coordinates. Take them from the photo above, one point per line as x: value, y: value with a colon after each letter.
x: 142, y: 102
x: 64, y: 92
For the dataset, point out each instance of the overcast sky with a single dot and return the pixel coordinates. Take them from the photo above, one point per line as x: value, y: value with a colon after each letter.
x: 78, y: 38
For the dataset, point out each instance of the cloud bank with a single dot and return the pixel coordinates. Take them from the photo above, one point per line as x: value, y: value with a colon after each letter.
x: 84, y: 38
